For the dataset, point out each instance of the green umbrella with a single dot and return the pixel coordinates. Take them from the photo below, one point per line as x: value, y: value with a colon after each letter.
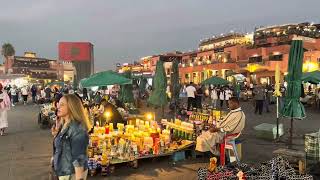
x: 311, y: 77
x: 105, y: 78
x: 215, y: 80
x: 158, y: 95
x: 143, y: 84
x: 175, y: 81
x: 293, y: 108
x: 126, y: 95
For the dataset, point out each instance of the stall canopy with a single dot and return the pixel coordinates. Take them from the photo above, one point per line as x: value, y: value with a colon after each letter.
x: 105, y: 78
x: 215, y: 81
x: 158, y: 95
x: 311, y: 77
x: 293, y: 108
x: 126, y: 95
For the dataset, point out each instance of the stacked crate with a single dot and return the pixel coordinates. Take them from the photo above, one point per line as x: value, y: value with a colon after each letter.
x: 312, y: 147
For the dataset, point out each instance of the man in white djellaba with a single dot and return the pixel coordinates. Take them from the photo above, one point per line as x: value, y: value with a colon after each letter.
x: 232, y: 124
x: 4, y: 107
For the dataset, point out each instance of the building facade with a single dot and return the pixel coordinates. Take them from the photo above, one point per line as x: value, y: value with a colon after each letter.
x: 38, y: 69
x: 253, y: 55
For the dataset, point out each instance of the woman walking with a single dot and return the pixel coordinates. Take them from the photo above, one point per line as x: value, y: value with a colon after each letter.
x: 4, y: 107
x: 70, y: 160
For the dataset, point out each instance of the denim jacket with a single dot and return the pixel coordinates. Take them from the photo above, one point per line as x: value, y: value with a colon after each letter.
x: 70, y: 149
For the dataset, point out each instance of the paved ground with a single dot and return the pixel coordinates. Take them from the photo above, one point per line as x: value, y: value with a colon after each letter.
x: 25, y: 151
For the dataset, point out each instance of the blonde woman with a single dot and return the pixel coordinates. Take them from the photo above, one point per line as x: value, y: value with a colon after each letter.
x: 70, y: 160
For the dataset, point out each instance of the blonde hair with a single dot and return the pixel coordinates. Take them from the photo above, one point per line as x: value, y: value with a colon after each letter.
x: 77, y: 111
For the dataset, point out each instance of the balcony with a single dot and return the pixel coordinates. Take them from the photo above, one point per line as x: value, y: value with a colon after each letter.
x: 206, y: 62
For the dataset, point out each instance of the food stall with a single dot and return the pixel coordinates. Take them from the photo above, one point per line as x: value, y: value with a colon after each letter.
x: 139, y: 139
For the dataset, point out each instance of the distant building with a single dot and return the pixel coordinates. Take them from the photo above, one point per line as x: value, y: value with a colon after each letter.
x: 252, y: 55
x: 36, y: 68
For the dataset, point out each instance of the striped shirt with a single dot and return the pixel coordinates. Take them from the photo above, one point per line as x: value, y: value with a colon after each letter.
x: 234, y: 122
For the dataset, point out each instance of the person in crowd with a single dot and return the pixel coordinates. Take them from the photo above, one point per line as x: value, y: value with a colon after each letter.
x: 8, y: 89
x: 136, y: 95
x: 4, y: 107
x: 237, y: 90
x: 214, y: 97
x: 267, y: 99
x: 191, y: 92
x: 65, y: 89
x: 233, y: 123
x: 222, y: 96
x: 14, y: 95
x: 57, y: 94
x: 71, y: 139
x: 309, y: 89
x: 199, y: 95
x: 85, y: 94
x: 48, y: 92
x: 24, y: 93
x: 97, y: 98
x: 251, y: 86
x: 228, y: 94
x: 34, y: 91
x: 259, y: 97
x: 114, y: 115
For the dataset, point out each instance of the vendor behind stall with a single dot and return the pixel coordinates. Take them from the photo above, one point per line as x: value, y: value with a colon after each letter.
x: 233, y: 123
x: 108, y: 113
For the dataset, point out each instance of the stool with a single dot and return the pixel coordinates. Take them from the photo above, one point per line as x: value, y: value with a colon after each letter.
x: 230, y: 144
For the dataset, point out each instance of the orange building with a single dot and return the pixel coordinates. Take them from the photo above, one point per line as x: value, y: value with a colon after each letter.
x: 253, y: 55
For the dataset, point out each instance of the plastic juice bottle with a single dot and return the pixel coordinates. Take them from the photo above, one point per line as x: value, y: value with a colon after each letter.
x: 110, y: 127
x: 107, y: 129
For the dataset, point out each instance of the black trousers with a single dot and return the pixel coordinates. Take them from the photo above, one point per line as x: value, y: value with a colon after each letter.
x: 221, y: 103
x: 191, y: 102
x: 259, y: 106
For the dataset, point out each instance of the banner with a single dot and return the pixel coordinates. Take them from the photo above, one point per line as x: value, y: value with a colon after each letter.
x: 75, y: 51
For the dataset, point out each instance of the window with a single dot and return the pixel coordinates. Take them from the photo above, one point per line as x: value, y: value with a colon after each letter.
x: 255, y: 59
x: 276, y: 57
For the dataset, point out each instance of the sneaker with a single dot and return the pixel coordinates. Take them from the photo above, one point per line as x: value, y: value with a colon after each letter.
x: 13, y: 105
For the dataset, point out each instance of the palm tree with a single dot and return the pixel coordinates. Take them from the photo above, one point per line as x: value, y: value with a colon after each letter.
x: 7, y: 50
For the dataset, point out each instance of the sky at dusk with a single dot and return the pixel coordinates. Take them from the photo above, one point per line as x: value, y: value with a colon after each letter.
x: 125, y: 30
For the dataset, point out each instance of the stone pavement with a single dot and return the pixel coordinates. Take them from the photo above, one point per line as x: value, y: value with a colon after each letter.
x: 26, y: 149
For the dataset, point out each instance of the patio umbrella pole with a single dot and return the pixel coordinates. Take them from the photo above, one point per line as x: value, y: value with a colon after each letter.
x: 290, y: 138
x: 277, y: 117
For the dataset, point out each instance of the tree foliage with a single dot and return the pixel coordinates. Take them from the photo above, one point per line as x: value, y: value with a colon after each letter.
x: 7, y: 50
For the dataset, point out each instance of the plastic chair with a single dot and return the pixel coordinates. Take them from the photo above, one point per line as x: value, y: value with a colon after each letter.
x: 230, y: 144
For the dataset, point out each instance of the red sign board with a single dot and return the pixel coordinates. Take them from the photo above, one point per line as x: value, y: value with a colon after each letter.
x: 75, y: 51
